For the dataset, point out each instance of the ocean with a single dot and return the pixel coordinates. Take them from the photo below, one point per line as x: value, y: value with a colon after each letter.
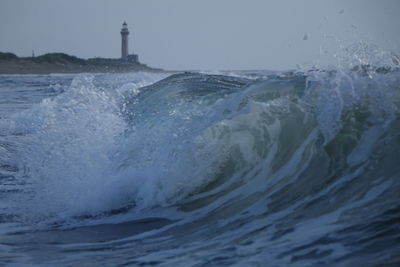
x: 241, y: 168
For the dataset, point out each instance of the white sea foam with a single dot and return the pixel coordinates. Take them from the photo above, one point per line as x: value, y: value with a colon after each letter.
x: 235, y: 167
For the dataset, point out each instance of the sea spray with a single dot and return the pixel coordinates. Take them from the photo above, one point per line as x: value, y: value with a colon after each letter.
x: 296, y: 167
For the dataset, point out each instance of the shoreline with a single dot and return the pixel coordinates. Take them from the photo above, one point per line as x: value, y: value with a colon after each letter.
x: 59, y: 63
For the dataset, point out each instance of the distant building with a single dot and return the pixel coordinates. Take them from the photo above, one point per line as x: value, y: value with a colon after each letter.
x: 125, y: 47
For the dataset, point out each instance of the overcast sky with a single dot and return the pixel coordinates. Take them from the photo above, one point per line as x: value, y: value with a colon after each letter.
x: 200, y: 34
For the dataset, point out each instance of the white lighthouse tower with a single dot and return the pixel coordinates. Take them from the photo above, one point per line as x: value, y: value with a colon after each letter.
x: 124, y: 41
x: 124, y: 45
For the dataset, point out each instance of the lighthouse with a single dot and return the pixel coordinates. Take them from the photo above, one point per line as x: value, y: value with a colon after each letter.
x: 124, y: 41
x: 124, y: 46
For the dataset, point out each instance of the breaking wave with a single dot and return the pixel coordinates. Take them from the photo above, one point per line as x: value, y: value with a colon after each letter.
x: 286, y: 167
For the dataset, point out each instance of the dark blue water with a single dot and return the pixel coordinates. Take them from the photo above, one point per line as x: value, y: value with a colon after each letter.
x: 193, y: 169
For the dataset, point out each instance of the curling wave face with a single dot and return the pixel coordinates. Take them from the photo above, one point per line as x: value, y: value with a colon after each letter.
x: 209, y: 169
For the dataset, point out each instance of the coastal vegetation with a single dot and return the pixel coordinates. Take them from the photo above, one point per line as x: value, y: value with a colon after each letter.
x: 64, y: 63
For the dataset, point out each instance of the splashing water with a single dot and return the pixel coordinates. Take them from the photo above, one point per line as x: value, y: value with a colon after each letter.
x: 204, y: 169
